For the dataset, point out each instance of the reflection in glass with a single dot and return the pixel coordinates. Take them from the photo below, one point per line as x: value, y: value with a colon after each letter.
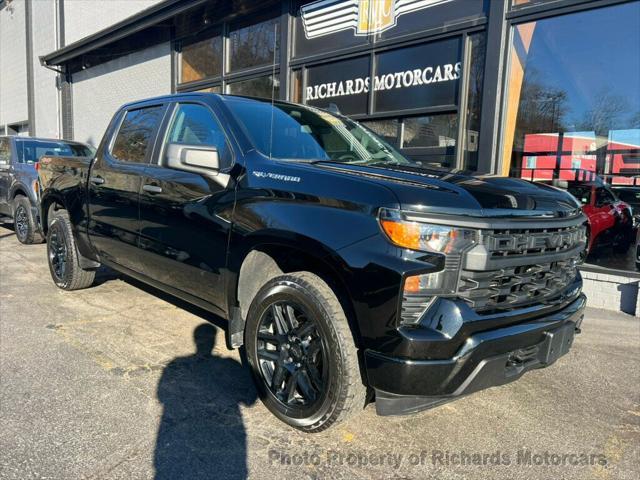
x: 387, y: 129
x: 201, y: 60
x: 430, y: 131
x: 477, y: 44
x: 296, y: 86
x: 214, y: 89
x: 263, y: 87
x: 526, y: 3
x: 254, y: 45
x: 573, y: 115
x: 134, y: 134
x: 431, y: 139
x: 305, y: 133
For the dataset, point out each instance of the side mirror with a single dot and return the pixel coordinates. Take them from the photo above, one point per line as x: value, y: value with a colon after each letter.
x: 195, y: 158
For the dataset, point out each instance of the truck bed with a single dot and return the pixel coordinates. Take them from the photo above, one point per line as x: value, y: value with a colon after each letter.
x: 62, y: 173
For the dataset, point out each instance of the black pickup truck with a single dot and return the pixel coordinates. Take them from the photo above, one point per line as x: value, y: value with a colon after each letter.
x: 348, y: 272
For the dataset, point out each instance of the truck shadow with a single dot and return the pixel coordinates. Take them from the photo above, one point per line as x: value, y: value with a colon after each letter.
x: 201, y: 433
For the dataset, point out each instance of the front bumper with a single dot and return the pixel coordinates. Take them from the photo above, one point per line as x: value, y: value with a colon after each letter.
x: 485, y: 359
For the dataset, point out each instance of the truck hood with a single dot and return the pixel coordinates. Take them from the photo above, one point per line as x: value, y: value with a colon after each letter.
x: 459, y: 193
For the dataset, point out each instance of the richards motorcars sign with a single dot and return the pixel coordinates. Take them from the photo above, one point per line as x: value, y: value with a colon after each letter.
x: 388, y: 81
x: 403, y: 79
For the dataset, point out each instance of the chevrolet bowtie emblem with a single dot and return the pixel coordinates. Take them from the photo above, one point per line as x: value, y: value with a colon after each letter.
x: 363, y: 16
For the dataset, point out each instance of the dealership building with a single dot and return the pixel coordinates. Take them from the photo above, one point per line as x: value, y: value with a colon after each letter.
x: 538, y: 89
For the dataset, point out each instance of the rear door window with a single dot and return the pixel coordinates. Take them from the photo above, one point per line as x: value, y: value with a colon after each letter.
x: 136, y: 134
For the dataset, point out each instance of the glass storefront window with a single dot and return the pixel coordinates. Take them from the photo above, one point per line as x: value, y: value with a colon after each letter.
x: 200, y: 60
x: 254, y: 45
x: 263, y: 87
x: 572, y: 115
x: 387, y: 129
x: 431, y: 139
x: 431, y: 131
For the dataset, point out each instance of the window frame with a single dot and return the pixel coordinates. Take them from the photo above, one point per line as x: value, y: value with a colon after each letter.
x: 172, y: 109
x: 224, y: 30
x: 209, y: 34
x: 153, y: 138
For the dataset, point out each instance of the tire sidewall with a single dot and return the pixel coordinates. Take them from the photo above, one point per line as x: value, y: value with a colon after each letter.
x: 278, y: 290
x: 58, y: 226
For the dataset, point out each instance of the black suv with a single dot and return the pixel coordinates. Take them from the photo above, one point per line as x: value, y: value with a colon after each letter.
x: 347, y: 271
x: 19, y: 179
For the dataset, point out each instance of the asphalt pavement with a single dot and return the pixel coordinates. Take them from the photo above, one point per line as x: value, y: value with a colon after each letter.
x: 123, y: 381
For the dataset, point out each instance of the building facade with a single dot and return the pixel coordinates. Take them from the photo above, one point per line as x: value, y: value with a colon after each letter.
x: 30, y: 95
x: 540, y: 89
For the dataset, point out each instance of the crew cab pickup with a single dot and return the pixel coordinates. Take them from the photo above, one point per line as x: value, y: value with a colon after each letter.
x: 348, y: 272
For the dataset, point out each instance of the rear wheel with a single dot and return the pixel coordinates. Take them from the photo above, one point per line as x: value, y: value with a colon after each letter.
x: 302, y: 354
x: 64, y: 262
x: 24, y: 222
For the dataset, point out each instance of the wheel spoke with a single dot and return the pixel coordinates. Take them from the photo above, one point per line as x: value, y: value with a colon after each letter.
x: 270, y: 355
x: 278, y: 318
x: 271, y: 338
x: 291, y: 316
x: 314, y: 376
x: 306, y: 389
x: 306, y: 329
x: 278, y: 376
x: 314, y: 348
x: 290, y: 388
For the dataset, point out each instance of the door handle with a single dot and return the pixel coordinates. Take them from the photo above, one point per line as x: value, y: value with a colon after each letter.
x: 97, y: 180
x: 152, y: 188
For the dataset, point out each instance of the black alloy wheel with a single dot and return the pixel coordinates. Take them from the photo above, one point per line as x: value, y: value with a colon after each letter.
x: 292, y: 356
x: 63, y: 256
x: 21, y: 222
x: 302, y: 353
x: 58, y: 253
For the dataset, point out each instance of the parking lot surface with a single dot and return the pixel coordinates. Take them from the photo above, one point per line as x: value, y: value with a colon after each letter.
x: 122, y: 381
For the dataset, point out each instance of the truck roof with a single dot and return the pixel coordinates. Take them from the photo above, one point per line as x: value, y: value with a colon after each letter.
x: 174, y: 96
x: 42, y: 139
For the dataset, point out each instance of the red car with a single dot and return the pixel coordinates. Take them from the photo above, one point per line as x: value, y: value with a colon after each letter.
x: 610, y: 219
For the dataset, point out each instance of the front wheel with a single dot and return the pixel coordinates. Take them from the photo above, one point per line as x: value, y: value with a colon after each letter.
x: 24, y: 223
x: 64, y: 263
x: 302, y: 353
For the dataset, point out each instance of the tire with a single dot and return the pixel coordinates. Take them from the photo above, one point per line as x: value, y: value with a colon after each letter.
x: 327, y: 387
x: 62, y: 255
x: 24, y: 223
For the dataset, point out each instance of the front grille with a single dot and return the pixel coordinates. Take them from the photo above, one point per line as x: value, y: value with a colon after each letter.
x: 515, y: 268
x: 514, y: 242
x: 514, y: 287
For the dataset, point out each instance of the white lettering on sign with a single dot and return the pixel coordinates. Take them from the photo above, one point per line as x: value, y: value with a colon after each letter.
x: 387, y: 81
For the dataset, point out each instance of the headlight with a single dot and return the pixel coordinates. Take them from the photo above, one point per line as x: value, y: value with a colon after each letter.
x: 425, y: 236
x: 419, y: 291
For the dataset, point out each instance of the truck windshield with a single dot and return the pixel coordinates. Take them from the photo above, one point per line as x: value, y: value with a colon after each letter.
x: 30, y: 150
x: 306, y: 133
